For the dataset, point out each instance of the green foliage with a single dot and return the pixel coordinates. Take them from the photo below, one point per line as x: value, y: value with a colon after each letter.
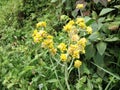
x: 24, y: 65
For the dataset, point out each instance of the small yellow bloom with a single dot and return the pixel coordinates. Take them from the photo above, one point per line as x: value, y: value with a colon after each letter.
x: 53, y: 51
x: 47, y: 43
x: 49, y: 37
x: 67, y: 27
x: 75, y: 37
x: 34, y: 32
x: 82, y: 42
x: 62, y: 47
x: 79, y: 6
x: 72, y: 48
x: 63, y: 57
x: 82, y: 25
x: 79, y: 20
x: 77, y: 63
x: 108, y: 0
x: 71, y: 22
x: 76, y: 54
x: 41, y: 24
x: 89, y: 30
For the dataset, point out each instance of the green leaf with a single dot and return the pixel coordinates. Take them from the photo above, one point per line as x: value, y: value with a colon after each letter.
x: 101, y: 47
x: 52, y: 80
x: 94, y: 36
x: 105, y: 11
x: 90, y: 51
x: 112, y: 39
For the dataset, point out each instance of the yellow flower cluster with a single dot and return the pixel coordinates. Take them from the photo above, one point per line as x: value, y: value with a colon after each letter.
x: 68, y: 26
x: 62, y: 47
x: 41, y: 24
x: 44, y: 38
x: 79, y: 6
x: 38, y: 36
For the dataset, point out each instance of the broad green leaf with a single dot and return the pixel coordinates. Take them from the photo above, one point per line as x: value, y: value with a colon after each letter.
x: 105, y: 11
x: 101, y: 47
x: 94, y: 36
x: 90, y: 51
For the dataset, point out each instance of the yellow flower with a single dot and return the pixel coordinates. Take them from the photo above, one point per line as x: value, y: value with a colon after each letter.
x: 79, y: 20
x: 43, y: 33
x: 49, y: 37
x: 75, y: 37
x: 35, y: 32
x: 71, y: 22
x: 82, y: 25
x: 79, y: 6
x: 62, y: 47
x: 72, y: 48
x: 76, y: 54
x: 67, y: 27
x: 41, y: 24
x: 63, y: 57
x: 89, y: 30
x: 47, y: 43
x: 53, y: 51
x: 82, y: 42
x: 77, y: 63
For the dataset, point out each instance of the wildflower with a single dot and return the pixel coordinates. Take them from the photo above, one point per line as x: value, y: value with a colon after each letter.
x: 89, y: 30
x: 82, y: 25
x: 47, y: 43
x: 63, y: 57
x: 79, y: 6
x: 62, y: 47
x: 41, y: 24
x: 77, y: 63
x: 53, y: 51
x: 35, y: 32
x: 43, y: 33
x: 74, y: 37
x: 36, y: 36
x: 82, y: 42
x: 71, y: 22
x: 49, y: 37
x: 72, y: 48
x: 76, y: 54
x: 67, y: 27
x: 79, y: 20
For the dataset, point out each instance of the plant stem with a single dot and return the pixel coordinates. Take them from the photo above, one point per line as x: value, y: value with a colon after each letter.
x: 106, y: 88
x: 56, y: 75
x: 66, y: 76
x: 79, y: 73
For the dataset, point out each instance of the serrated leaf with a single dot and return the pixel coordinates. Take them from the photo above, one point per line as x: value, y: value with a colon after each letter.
x: 101, y: 47
x: 105, y: 11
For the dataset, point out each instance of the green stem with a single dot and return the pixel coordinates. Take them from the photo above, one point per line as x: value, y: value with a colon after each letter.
x: 56, y: 75
x: 109, y: 83
x: 81, y: 13
x: 66, y: 76
x: 79, y: 73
